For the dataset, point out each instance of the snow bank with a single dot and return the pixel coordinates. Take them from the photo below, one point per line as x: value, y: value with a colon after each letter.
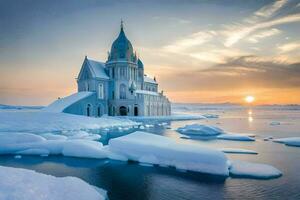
x: 253, y: 170
x: 43, y: 122
x: 61, y: 104
x: 30, y: 144
x: 200, y: 130
x: 238, y: 137
x: 154, y: 149
x: 16, y: 184
x: 238, y: 151
x: 290, y: 141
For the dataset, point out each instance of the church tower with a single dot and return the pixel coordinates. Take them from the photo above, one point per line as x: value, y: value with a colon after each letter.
x: 122, y: 67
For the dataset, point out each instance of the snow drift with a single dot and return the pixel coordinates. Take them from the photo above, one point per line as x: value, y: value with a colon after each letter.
x: 25, y: 184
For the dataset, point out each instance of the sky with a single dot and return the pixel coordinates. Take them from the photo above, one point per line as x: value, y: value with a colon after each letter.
x: 200, y: 51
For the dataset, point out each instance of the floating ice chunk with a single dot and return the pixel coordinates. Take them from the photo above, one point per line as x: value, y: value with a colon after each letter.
x: 238, y: 151
x: 18, y: 157
x: 275, y: 123
x: 83, y: 149
x: 211, y: 116
x: 142, y: 127
x: 268, y: 138
x: 34, y: 151
x: 200, y: 130
x: 149, y: 125
x: 50, y: 136
x: 16, y: 183
x: 239, y: 137
x: 253, y: 170
x: 30, y: 144
x: 290, y: 141
x: 154, y: 149
x: 17, y: 138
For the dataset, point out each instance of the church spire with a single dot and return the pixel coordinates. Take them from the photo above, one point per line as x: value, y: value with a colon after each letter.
x: 122, y: 24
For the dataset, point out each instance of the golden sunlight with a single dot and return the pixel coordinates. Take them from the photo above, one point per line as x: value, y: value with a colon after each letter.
x: 249, y: 99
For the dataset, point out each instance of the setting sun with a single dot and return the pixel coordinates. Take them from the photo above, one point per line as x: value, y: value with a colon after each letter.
x: 249, y: 99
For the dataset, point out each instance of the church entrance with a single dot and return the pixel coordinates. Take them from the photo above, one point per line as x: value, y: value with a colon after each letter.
x: 136, y: 111
x: 123, y: 111
x: 88, y: 110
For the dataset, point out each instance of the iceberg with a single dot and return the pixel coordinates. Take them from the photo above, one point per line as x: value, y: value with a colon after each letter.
x: 200, y: 130
x: 16, y: 183
x: 154, y: 149
x: 290, y: 141
x: 253, y: 170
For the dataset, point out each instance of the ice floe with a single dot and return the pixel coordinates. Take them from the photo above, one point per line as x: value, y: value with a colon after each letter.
x: 16, y: 183
x: 154, y: 149
x: 234, y: 136
x: 290, y: 141
x: 200, y: 130
x: 275, y: 123
x: 211, y: 116
x: 253, y: 170
x: 31, y: 144
x: 238, y: 151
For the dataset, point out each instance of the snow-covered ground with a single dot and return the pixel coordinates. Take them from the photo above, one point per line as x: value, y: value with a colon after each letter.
x: 43, y: 122
x: 61, y: 104
x: 22, y: 184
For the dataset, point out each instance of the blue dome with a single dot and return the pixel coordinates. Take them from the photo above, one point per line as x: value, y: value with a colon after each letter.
x: 121, y: 48
x: 140, y: 64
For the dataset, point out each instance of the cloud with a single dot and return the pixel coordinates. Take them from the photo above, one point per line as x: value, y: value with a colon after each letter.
x: 269, y: 10
x: 236, y: 33
x: 189, y: 41
x: 263, y: 34
x: 289, y: 47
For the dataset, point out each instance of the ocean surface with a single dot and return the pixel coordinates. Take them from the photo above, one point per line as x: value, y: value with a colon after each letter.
x: 131, y: 181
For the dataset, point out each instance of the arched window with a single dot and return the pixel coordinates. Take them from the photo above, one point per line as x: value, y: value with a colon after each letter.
x: 122, y: 91
x: 100, y: 91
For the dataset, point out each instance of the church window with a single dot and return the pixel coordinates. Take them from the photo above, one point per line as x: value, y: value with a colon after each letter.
x: 122, y: 91
x: 100, y: 91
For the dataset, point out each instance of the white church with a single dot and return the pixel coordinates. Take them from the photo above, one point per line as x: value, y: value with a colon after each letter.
x: 117, y: 87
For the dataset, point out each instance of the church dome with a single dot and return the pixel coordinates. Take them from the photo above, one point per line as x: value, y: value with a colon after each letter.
x: 140, y: 64
x: 121, y: 48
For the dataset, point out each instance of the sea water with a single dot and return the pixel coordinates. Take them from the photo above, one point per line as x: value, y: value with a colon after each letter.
x: 125, y: 180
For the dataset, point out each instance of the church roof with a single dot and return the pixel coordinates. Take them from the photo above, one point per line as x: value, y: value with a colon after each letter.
x: 97, y: 69
x: 121, y: 48
x: 140, y: 64
x: 149, y: 80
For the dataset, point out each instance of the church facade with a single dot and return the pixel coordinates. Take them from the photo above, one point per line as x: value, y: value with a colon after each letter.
x: 118, y: 86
